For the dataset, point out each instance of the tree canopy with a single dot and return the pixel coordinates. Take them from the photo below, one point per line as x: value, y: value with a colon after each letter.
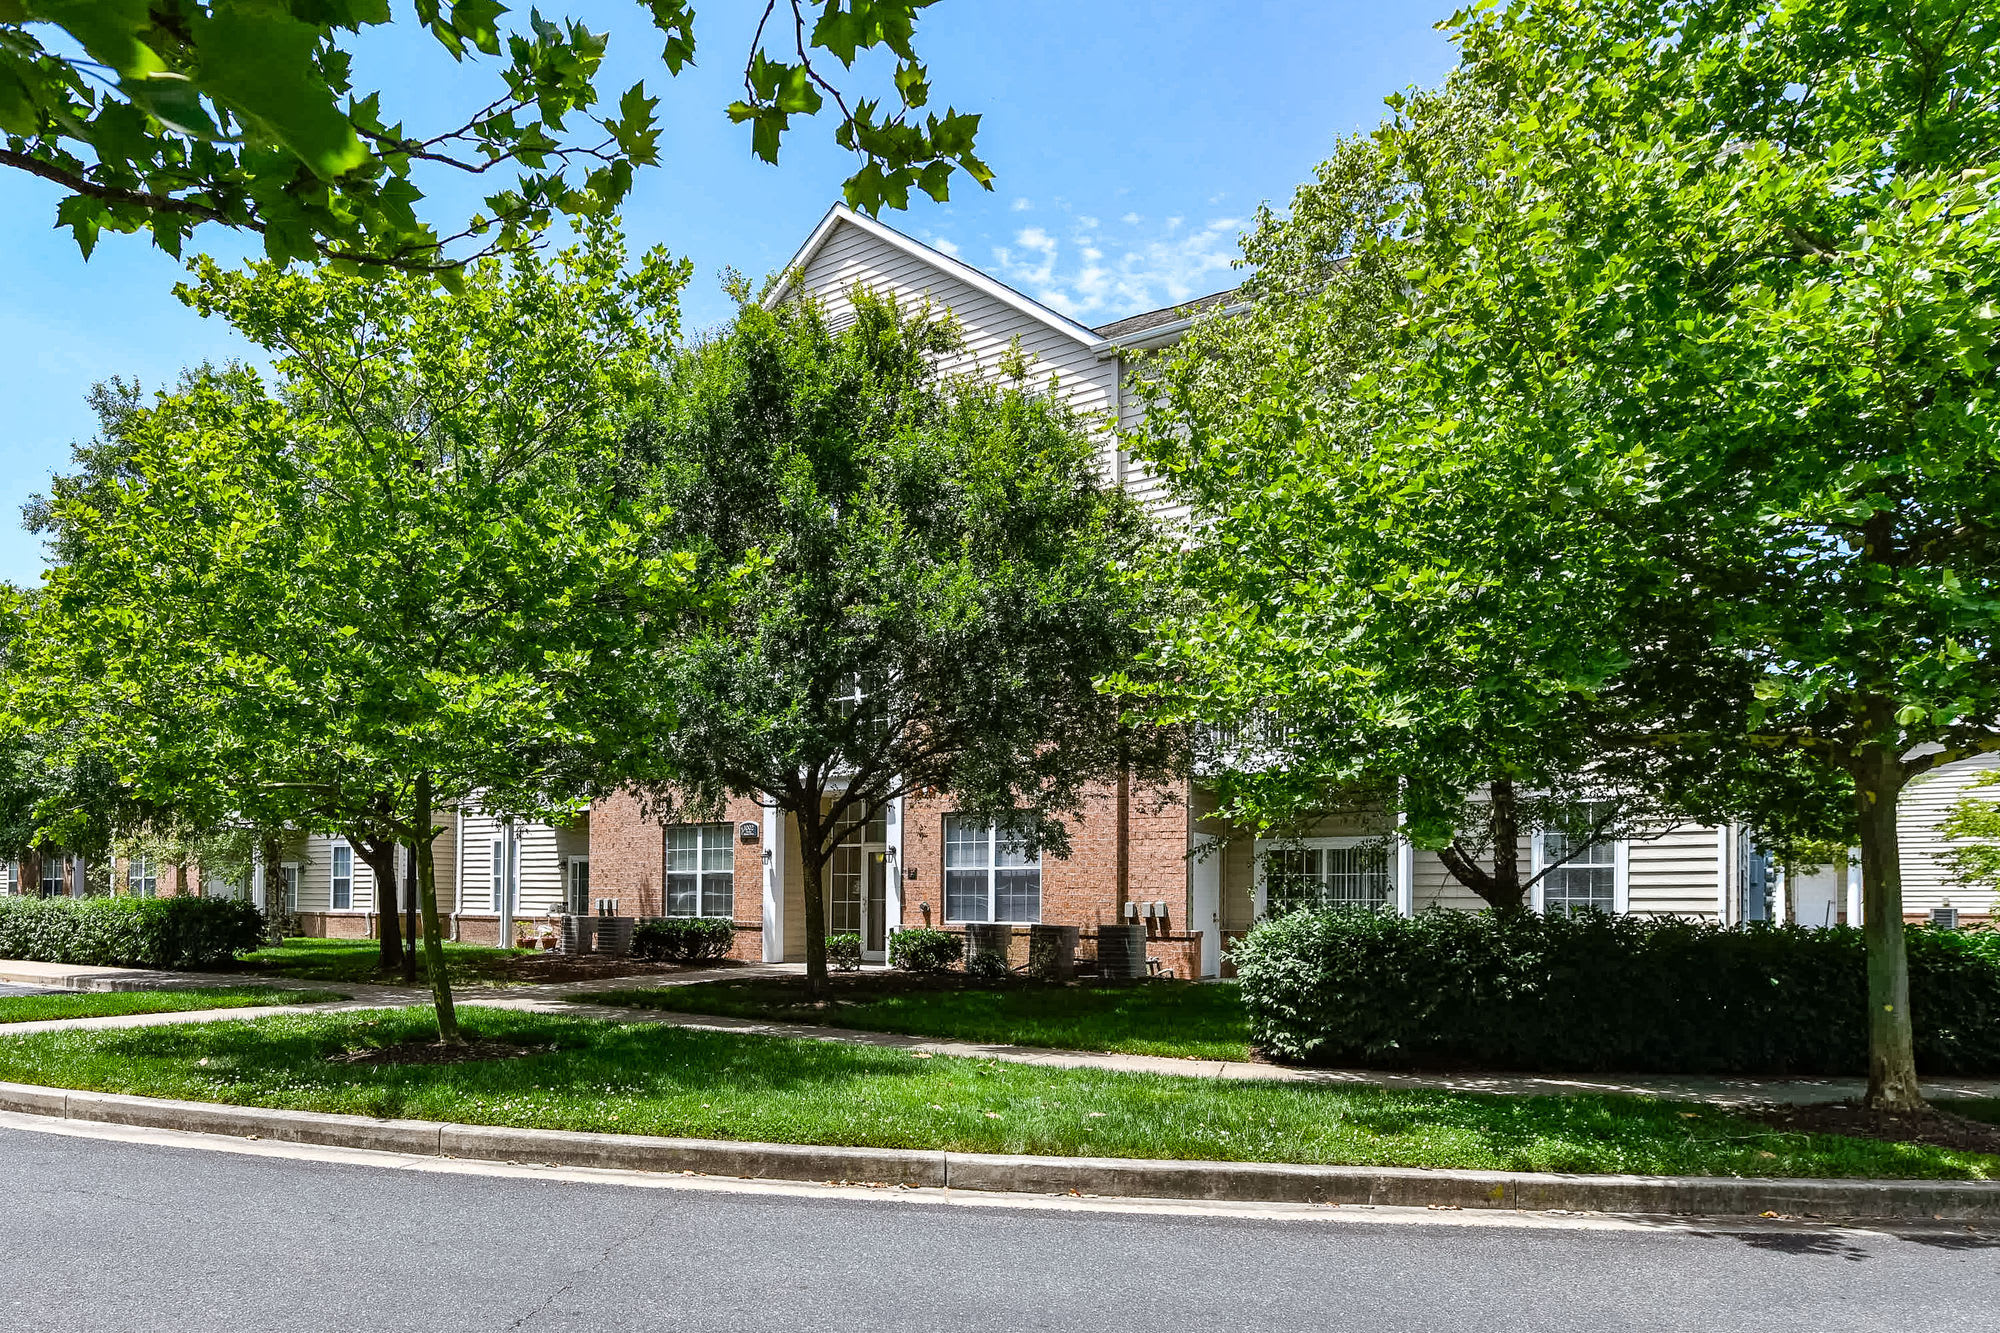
x: 911, y: 584
x: 1682, y: 402
x: 162, y: 115
x: 408, y: 573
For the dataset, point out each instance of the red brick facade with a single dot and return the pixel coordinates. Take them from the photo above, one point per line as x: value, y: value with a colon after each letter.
x: 1130, y: 844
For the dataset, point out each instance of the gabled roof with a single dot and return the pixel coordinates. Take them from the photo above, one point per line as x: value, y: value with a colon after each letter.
x: 1132, y: 325
x: 957, y: 268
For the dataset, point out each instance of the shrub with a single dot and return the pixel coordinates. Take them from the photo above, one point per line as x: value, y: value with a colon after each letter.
x: 923, y: 949
x: 683, y: 939
x: 843, y: 952
x: 1591, y: 992
x: 180, y: 933
x: 987, y: 966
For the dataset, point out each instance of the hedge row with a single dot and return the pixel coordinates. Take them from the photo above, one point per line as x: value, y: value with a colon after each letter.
x: 1591, y: 992
x: 683, y: 939
x: 129, y: 932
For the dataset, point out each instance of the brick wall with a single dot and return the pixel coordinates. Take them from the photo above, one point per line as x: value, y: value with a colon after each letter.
x: 1084, y: 888
x: 628, y: 863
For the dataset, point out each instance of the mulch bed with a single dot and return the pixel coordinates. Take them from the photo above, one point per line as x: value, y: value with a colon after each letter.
x: 430, y: 1053
x: 1936, y: 1127
x: 585, y: 967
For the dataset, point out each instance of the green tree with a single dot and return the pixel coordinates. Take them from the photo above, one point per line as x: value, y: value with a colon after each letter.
x: 913, y: 583
x: 408, y: 574
x: 162, y: 115
x: 1692, y: 361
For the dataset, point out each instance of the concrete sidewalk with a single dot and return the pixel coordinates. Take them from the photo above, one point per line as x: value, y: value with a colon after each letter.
x: 556, y: 999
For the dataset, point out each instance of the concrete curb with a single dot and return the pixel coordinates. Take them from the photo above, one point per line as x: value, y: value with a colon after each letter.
x: 1116, y: 1177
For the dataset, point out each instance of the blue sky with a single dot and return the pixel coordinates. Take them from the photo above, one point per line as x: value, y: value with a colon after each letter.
x: 1131, y: 141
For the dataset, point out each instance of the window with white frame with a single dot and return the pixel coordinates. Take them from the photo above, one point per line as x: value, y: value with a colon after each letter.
x: 288, y: 886
x: 55, y: 877
x: 1587, y: 878
x: 576, y: 888
x: 10, y: 878
x: 503, y: 867
x: 990, y: 874
x: 341, y: 893
x: 142, y: 877
x: 701, y: 870
x: 1327, y: 872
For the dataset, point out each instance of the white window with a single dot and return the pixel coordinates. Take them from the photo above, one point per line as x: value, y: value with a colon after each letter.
x: 55, y: 877
x: 577, y: 887
x: 1587, y: 881
x: 288, y: 887
x: 10, y: 877
x: 1324, y: 873
x: 504, y: 874
x: 142, y: 877
x: 989, y: 873
x: 343, y: 877
x: 701, y: 870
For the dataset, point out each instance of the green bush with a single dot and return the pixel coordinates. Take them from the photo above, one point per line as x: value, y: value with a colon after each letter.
x: 1592, y: 992
x: 683, y: 939
x: 843, y: 952
x: 987, y: 966
x: 923, y: 949
x: 129, y: 932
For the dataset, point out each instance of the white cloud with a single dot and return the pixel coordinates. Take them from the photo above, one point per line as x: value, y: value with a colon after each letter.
x: 1101, y: 276
x: 1022, y: 205
x: 941, y: 245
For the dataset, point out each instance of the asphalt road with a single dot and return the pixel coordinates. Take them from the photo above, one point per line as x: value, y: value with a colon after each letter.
x: 101, y: 1235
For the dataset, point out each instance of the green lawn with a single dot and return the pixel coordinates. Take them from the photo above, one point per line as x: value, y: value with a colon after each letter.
x: 1201, y: 1020
x: 647, y: 1078
x: 308, y: 959
x: 37, y: 1008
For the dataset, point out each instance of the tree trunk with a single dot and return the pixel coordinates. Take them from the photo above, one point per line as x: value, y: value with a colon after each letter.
x: 410, y: 919
x: 272, y: 848
x: 388, y: 909
x: 812, y: 854
x: 1892, y: 1059
x: 1500, y: 890
x: 447, y: 1016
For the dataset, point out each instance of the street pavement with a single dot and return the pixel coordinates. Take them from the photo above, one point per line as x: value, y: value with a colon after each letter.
x: 109, y: 1234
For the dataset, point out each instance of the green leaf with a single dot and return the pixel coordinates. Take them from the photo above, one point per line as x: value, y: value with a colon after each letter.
x: 258, y: 61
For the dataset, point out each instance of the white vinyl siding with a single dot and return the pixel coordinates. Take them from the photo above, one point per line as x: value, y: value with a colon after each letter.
x: 1926, y: 801
x: 1673, y: 873
x: 851, y: 255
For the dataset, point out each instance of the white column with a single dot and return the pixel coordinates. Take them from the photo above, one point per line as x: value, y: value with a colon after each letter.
x: 892, y: 911
x: 1722, y: 874
x: 259, y: 895
x: 1781, y: 895
x: 1854, y: 888
x: 1406, y: 875
x: 1205, y: 898
x: 774, y: 884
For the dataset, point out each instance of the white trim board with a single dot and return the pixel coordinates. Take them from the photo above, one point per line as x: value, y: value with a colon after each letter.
x: 944, y: 263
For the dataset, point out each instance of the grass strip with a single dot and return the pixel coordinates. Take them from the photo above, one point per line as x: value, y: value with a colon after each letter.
x: 308, y: 959
x: 1202, y: 1021
x: 107, y: 1004
x: 655, y: 1079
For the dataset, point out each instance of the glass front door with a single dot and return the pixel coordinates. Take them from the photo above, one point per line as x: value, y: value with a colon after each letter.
x: 857, y: 900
